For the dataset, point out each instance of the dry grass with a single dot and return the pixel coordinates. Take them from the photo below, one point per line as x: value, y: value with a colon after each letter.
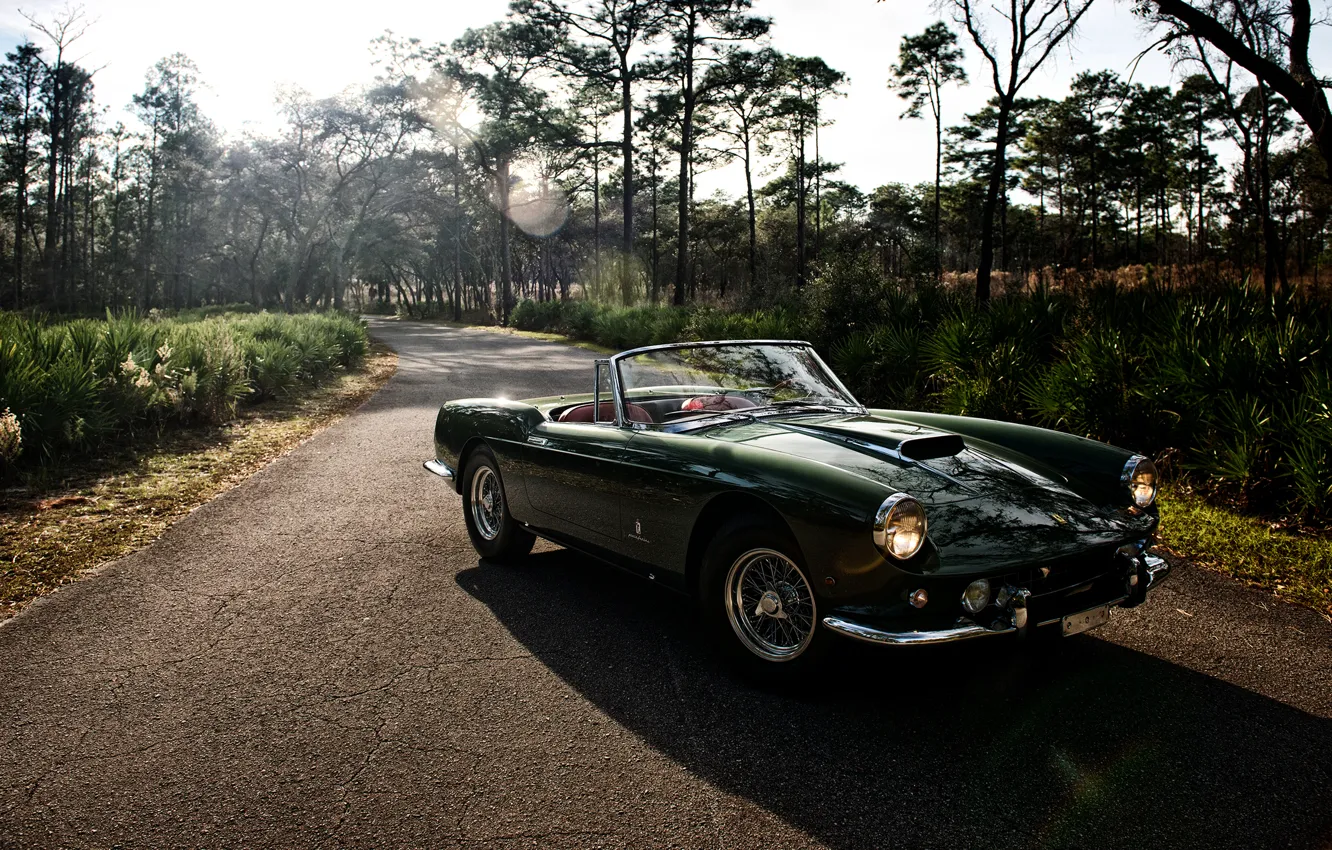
x: 54, y: 531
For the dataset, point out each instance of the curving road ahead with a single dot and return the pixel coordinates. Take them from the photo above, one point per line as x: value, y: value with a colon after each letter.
x: 318, y: 659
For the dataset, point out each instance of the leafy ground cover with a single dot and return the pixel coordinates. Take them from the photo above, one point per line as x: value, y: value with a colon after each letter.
x: 1296, y: 567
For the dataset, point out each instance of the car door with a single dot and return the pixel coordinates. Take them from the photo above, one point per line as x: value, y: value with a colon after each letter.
x: 661, y: 488
x: 572, y: 468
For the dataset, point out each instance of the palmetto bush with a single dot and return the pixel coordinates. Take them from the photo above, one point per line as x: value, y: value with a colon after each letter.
x: 71, y: 386
x: 274, y: 367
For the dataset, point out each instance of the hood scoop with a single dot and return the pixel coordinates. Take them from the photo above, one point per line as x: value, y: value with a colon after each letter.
x: 929, y: 448
x: 908, y: 448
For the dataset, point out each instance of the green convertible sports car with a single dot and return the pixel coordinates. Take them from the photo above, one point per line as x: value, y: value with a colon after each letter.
x: 744, y: 473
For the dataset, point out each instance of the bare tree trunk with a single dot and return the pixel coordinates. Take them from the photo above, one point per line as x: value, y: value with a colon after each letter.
x: 938, y: 178
x: 627, y: 246
x: 800, y: 210
x: 457, y: 237
x: 682, y: 239
x: 596, y: 206
x: 21, y: 199
x: 686, y: 154
x: 656, y: 247
x: 986, y: 265
x: 818, y: 187
x: 753, y: 219
x: 52, y: 170
x: 1202, y: 221
x: 506, y: 259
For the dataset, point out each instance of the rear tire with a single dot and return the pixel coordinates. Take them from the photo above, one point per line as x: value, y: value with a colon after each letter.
x: 758, y: 603
x: 494, y: 532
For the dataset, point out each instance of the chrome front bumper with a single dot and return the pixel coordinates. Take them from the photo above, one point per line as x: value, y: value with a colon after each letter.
x: 439, y: 469
x: 1154, y: 570
x: 963, y: 630
x: 1157, y: 570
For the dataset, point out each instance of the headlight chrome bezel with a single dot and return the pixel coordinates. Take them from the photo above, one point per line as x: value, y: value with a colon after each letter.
x: 982, y: 585
x: 886, y: 527
x: 1133, y: 468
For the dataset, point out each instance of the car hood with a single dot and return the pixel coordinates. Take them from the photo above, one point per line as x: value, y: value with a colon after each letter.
x: 987, y: 507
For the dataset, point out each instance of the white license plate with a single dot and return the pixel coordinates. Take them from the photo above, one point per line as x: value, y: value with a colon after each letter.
x: 1076, y: 624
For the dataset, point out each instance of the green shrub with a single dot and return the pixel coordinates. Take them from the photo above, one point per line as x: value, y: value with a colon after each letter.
x: 529, y: 315
x: 350, y: 340
x: 577, y: 319
x: 1092, y: 389
x: 207, y: 367
x: 849, y: 293
x: 70, y: 386
x: 274, y: 367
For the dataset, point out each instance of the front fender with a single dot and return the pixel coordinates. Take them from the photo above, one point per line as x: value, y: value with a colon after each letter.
x: 1092, y: 469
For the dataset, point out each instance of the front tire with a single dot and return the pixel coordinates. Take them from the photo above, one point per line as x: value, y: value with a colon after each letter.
x: 759, y: 603
x: 494, y: 532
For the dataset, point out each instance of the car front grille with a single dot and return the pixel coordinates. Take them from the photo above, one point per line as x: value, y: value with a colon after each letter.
x: 1065, y: 573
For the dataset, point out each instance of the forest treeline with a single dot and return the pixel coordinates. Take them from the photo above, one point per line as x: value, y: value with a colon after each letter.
x: 554, y: 154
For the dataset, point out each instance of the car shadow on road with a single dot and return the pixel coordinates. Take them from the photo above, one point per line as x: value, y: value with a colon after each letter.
x: 1092, y: 745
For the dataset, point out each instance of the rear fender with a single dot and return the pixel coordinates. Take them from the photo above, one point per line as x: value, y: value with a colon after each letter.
x: 502, y: 424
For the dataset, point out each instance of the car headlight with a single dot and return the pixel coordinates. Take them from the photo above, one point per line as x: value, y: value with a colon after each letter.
x: 976, y: 596
x: 1141, y: 479
x: 899, y: 526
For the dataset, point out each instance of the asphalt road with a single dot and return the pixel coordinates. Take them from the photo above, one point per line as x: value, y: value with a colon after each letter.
x: 318, y: 659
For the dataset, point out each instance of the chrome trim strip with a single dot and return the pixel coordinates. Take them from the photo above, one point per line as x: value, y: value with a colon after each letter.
x: 614, y: 389
x: 439, y: 469
x: 621, y: 410
x: 964, y: 630
x: 1158, y: 569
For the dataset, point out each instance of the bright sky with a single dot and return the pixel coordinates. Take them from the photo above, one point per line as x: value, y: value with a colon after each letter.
x: 245, y: 49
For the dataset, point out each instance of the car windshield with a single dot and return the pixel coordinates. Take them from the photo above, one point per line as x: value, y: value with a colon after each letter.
x: 666, y: 384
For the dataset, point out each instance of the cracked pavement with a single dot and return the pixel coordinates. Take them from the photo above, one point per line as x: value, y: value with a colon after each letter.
x: 318, y: 659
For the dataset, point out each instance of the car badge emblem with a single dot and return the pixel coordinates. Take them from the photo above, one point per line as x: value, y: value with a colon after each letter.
x: 1045, y: 572
x: 638, y: 533
x: 1059, y: 519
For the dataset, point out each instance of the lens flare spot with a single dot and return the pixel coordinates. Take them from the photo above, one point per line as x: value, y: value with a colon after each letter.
x: 538, y: 210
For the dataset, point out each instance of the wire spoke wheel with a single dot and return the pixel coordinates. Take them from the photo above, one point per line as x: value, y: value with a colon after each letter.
x: 487, y: 503
x: 770, y: 605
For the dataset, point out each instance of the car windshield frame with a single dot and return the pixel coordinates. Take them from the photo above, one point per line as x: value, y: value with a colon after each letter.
x: 828, y: 376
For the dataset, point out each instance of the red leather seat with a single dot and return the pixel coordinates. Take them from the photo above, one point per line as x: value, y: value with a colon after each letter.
x: 583, y: 413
